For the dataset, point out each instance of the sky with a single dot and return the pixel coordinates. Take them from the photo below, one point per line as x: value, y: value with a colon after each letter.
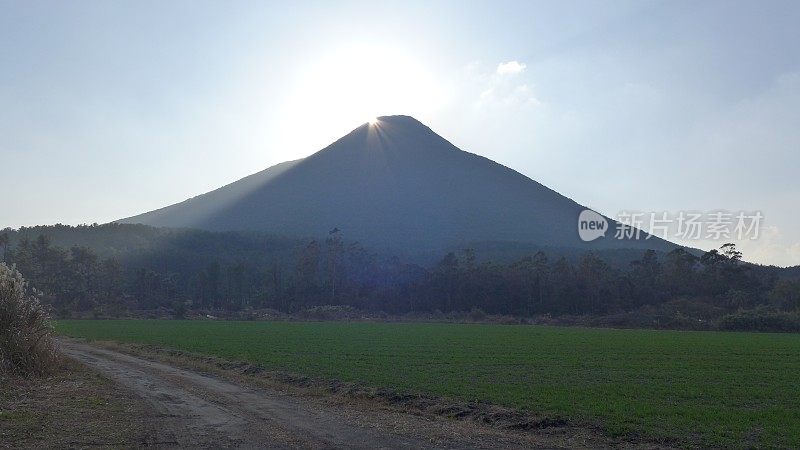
x: 112, y: 108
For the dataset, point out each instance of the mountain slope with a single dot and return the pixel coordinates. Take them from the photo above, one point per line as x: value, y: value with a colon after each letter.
x: 395, y: 184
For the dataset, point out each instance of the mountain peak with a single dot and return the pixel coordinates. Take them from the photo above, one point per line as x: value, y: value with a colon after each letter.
x: 395, y: 124
x: 401, y: 120
x: 389, y: 135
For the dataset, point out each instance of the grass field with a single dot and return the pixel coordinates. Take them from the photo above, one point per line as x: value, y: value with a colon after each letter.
x: 706, y: 388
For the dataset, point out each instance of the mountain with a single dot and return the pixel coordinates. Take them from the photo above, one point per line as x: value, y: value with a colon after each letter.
x: 394, y: 184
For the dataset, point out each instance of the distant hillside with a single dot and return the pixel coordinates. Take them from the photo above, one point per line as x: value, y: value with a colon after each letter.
x: 177, y: 249
x: 395, y: 185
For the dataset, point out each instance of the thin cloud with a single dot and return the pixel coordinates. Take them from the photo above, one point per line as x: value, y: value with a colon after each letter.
x: 503, y: 86
x: 510, y: 68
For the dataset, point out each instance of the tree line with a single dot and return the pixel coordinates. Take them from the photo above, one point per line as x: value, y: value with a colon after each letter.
x: 191, y: 269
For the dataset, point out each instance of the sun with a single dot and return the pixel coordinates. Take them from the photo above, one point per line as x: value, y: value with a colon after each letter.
x: 356, y: 83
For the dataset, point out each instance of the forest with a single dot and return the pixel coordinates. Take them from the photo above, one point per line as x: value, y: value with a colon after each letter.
x: 116, y: 270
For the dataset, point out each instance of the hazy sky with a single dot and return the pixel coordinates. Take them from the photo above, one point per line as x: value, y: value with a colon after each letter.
x: 109, y: 109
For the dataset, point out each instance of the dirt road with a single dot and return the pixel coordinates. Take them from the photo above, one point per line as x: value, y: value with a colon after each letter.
x: 196, y: 410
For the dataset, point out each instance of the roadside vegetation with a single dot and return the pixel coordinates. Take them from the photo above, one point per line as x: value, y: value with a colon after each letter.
x: 713, y: 389
x: 26, y: 345
x: 47, y: 401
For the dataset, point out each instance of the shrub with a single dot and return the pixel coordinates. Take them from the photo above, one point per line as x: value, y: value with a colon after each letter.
x: 477, y: 315
x: 329, y: 312
x: 179, y: 309
x: 761, y: 320
x: 26, y: 345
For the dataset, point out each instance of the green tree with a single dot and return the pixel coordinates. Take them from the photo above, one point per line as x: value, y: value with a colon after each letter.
x: 566, y: 297
x: 446, y: 276
x: 644, y: 277
x: 597, y: 281
x: 4, y: 242
x: 307, y: 273
x: 334, y: 254
x: 679, y: 274
x: 785, y: 295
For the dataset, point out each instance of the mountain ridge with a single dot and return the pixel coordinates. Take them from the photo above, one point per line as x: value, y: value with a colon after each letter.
x: 392, y: 184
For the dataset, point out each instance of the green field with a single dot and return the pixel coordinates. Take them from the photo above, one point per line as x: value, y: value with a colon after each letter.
x: 706, y: 388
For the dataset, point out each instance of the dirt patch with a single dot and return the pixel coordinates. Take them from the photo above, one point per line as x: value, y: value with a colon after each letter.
x: 74, y: 408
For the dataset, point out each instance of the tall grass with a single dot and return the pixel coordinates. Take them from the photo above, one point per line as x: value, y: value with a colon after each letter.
x: 26, y: 344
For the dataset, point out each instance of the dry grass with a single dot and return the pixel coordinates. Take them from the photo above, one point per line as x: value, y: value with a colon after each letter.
x: 26, y: 345
x: 73, y: 408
